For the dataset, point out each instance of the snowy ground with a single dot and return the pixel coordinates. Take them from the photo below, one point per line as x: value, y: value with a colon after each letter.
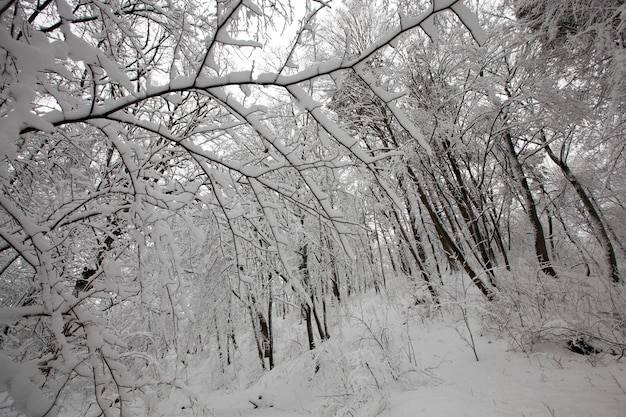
x: 550, y: 382
x: 389, y: 360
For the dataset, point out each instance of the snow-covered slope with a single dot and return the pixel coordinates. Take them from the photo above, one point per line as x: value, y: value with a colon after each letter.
x: 391, y: 358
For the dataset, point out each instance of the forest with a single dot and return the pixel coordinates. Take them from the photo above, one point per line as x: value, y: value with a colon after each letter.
x: 218, y: 184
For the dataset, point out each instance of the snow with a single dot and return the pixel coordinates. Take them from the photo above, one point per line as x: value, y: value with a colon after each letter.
x: 225, y: 38
x: 389, y: 358
x: 179, y: 83
x: 470, y: 20
x: 443, y: 4
x: 80, y: 50
x: 9, y: 314
x: 174, y: 98
x: 253, y: 7
x: 429, y: 27
x: 508, y: 383
x: 21, y: 382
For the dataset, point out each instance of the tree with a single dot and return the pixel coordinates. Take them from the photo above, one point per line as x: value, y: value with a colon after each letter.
x: 573, y: 58
x: 592, y: 40
x: 374, y: 122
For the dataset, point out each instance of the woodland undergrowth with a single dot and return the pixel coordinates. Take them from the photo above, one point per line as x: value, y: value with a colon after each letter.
x: 378, y: 347
x: 573, y: 310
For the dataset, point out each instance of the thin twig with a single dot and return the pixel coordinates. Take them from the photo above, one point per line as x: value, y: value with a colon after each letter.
x: 618, y: 384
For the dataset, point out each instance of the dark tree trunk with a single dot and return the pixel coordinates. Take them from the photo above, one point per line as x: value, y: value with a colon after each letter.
x: 270, y: 331
x: 594, y: 215
x: 257, y: 339
x: 309, y: 325
x: 465, y: 206
x: 264, y: 337
x: 449, y: 243
x: 541, y: 250
x: 306, y: 307
x: 380, y: 255
x: 220, y: 349
x: 318, y: 323
x: 453, y: 252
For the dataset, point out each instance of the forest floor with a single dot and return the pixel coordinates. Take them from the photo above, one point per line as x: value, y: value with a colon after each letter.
x: 388, y: 357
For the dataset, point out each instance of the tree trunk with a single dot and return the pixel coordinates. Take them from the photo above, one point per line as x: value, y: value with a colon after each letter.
x: 270, y: 329
x: 414, y: 242
x: 465, y: 206
x: 220, y: 349
x: 306, y: 307
x: 309, y: 325
x: 497, y: 237
x: 594, y: 215
x: 380, y: 254
x: 449, y: 243
x: 318, y: 322
x: 453, y: 252
x: 264, y: 338
x: 257, y: 339
x: 541, y: 250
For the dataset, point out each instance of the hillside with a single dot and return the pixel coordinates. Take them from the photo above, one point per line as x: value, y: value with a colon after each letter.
x: 388, y: 357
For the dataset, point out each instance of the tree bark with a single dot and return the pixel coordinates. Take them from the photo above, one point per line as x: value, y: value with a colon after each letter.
x: 541, y: 250
x: 465, y: 206
x: 306, y: 307
x: 309, y: 325
x: 270, y: 329
x: 594, y: 215
x: 456, y: 252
